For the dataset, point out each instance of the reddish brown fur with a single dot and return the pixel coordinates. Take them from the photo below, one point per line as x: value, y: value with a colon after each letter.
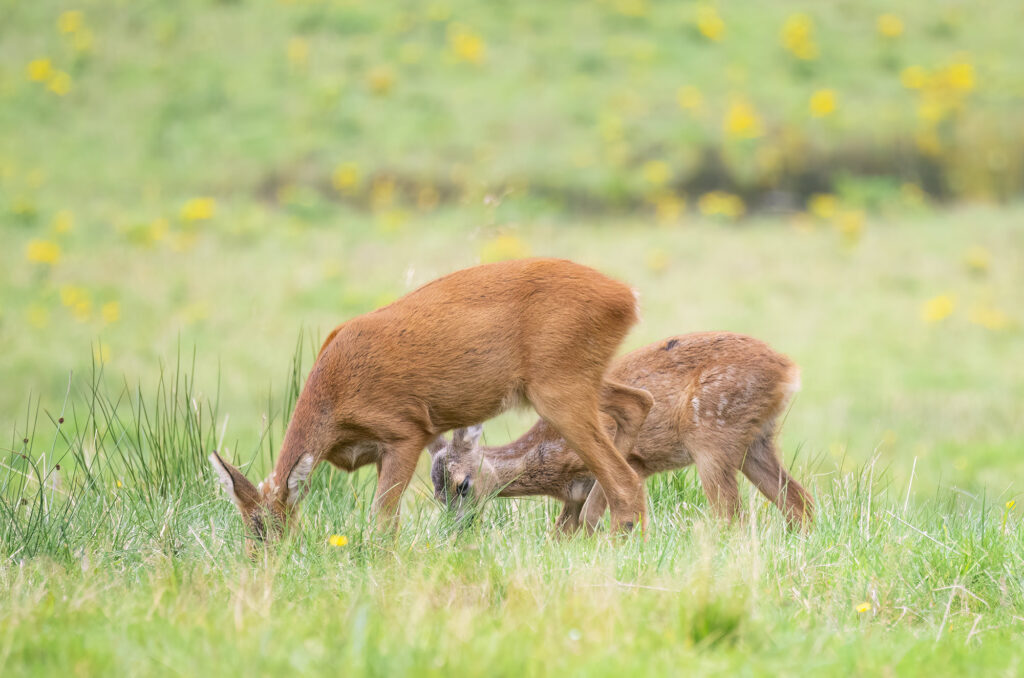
x: 717, y: 397
x: 456, y: 352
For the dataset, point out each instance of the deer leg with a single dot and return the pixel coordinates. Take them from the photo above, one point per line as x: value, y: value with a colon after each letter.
x: 762, y: 467
x: 394, y: 472
x: 629, y: 407
x: 577, y: 421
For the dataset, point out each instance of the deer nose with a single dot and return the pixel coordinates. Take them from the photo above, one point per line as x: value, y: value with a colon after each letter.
x: 462, y: 489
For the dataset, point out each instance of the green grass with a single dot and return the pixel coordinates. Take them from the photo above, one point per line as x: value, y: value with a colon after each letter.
x: 158, y: 337
x: 904, y: 431
x: 886, y: 581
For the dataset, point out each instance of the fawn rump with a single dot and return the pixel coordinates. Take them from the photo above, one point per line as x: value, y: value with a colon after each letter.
x: 717, y: 400
x: 450, y: 354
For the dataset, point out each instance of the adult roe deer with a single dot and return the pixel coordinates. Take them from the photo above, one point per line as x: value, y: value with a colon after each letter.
x: 717, y: 397
x: 455, y: 352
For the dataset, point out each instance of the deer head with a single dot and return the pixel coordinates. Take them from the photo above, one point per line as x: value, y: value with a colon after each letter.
x: 460, y: 472
x: 266, y: 509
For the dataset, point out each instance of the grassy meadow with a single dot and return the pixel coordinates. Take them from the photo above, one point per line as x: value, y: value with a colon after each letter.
x: 193, y: 194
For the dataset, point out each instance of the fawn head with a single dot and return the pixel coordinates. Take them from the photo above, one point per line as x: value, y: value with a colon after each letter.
x: 266, y: 509
x: 459, y: 470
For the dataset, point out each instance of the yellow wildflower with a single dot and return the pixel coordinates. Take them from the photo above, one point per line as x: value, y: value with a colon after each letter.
x: 71, y: 295
x: 298, y: 53
x: 70, y: 21
x: 823, y: 205
x: 198, y: 209
x: 977, y: 259
x: 110, y: 312
x: 82, y: 309
x: 42, y: 252
x: 960, y: 76
x: 1010, y: 504
x: 823, y: 103
x: 380, y: 80
x: 668, y: 207
x: 337, y: 540
x: 851, y: 225
x: 119, y: 484
x: 59, y: 83
x: 938, y: 308
x: 39, y: 70
x: 689, y: 98
x: 914, y: 77
x: 990, y: 318
x: 742, y: 121
x: 466, y: 45
x: 502, y: 248
x: 709, y: 23
x: 657, y: 172
x: 863, y: 607
x: 890, y: 26
x: 346, y: 177
x: 720, y: 203
x: 798, y: 37
x: 63, y: 221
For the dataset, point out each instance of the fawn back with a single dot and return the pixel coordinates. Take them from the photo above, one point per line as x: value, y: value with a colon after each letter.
x: 717, y: 400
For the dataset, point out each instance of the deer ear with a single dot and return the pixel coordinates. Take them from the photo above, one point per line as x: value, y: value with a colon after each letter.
x: 238, y: 487
x: 439, y: 444
x: 298, y: 479
x: 474, y: 433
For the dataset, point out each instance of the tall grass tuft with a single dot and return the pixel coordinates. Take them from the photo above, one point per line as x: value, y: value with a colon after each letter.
x: 119, y: 466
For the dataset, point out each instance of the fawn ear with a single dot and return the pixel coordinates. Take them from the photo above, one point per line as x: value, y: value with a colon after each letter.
x: 468, y: 436
x: 439, y: 444
x: 298, y: 479
x: 238, y: 487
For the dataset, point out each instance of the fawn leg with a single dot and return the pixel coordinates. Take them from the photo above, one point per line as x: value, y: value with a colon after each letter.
x: 764, y: 470
x: 568, y: 522
x: 719, y: 483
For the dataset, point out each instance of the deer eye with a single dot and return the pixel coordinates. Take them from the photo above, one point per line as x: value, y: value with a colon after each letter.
x: 463, y: 488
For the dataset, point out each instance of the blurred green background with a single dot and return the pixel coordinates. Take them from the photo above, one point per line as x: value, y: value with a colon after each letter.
x: 841, y: 179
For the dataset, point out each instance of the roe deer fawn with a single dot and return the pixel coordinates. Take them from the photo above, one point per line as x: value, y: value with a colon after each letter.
x: 452, y: 353
x: 717, y: 397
